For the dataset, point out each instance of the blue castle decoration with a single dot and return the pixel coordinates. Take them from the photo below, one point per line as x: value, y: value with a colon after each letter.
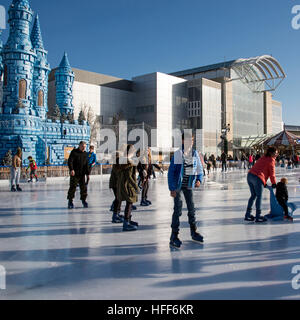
x: 23, y: 113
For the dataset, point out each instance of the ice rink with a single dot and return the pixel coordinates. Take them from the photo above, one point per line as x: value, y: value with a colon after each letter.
x: 50, y: 252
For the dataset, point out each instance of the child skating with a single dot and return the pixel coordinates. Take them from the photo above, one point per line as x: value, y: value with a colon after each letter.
x: 127, y: 189
x: 33, y: 167
x: 185, y: 174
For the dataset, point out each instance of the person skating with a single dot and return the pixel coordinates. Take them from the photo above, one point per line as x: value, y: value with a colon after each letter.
x: 185, y: 173
x: 92, y: 160
x: 32, y: 167
x: 257, y: 181
x: 250, y: 161
x: 243, y: 159
x: 79, y: 169
x: 127, y: 189
x: 282, y: 197
x: 113, y: 185
x: 16, y: 171
x: 224, y: 162
x: 208, y: 167
x: 145, y: 171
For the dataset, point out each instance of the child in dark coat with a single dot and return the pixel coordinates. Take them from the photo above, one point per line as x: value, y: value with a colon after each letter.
x: 282, y: 197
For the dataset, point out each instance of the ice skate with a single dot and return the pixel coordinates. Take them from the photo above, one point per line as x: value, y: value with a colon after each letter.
x: 70, y: 205
x: 196, y: 236
x: 144, y: 203
x: 128, y: 227
x: 19, y: 189
x: 117, y: 219
x: 85, y: 204
x: 13, y: 189
x: 250, y: 219
x: 174, y: 241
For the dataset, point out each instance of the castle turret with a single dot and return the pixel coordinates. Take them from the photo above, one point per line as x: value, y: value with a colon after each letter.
x: 64, y: 77
x: 41, y: 71
x: 18, y: 60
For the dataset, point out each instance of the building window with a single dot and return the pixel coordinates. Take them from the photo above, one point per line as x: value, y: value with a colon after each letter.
x: 41, y: 98
x: 22, y: 89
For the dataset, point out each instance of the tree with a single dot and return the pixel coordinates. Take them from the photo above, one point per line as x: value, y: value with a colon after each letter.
x: 70, y: 117
x: 63, y: 117
x: 56, y: 114
x: 81, y: 117
x: 7, y: 161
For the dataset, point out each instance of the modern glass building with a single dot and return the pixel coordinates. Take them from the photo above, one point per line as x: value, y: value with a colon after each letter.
x: 234, y: 97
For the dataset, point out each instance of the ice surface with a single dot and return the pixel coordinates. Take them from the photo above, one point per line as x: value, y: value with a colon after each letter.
x: 52, y: 253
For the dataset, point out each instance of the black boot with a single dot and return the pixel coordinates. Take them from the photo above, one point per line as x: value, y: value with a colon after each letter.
x: 174, y: 241
x: 70, y: 204
x: 19, y: 189
x: 85, y: 204
x: 195, y: 235
x: 13, y: 189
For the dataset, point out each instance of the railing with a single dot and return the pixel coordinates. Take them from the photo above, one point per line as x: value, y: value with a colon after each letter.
x: 51, y: 171
x: 55, y: 171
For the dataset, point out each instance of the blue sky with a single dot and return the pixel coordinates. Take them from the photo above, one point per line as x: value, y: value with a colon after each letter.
x: 126, y: 38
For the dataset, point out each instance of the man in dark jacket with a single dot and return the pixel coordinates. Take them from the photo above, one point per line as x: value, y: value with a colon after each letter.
x: 78, y: 166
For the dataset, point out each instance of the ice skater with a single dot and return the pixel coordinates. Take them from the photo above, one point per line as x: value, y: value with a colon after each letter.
x: 33, y: 168
x: 79, y: 169
x: 127, y: 189
x: 185, y: 173
x: 257, y: 181
x: 92, y: 160
x: 145, y: 171
x: 15, y: 172
x: 113, y: 185
x: 282, y: 197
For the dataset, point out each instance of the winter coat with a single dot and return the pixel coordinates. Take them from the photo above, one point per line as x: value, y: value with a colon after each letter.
x: 264, y: 168
x: 176, y: 171
x: 126, y: 183
x: 78, y: 162
x: 223, y: 157
x: 282, y: 192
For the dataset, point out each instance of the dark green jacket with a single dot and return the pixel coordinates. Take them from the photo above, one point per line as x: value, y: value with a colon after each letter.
x: 126, y: 183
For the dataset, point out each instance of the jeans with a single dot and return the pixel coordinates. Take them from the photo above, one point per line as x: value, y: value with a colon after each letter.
x: 188, y: 195
x: 256, y: 188
x: 15, y: 174
x: 224, y: 166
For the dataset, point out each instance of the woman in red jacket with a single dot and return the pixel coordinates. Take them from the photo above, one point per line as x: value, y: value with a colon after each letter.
x: 257, y: 180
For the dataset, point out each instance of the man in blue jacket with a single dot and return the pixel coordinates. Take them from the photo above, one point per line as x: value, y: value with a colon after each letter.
x: 185, y: 174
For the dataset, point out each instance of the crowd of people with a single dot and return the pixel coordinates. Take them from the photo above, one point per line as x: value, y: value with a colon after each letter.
x: 245, y: 161
x: 132, y: 171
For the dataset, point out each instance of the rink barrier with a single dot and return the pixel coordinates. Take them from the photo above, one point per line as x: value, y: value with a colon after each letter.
x: 55, y: 171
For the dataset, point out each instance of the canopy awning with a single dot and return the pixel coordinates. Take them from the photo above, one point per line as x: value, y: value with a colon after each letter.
x: 284, y: 138
x: 260, y: 74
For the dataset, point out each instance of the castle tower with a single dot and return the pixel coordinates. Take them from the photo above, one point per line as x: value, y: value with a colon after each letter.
x: 41, y: 71
x: 18, y: 60
x: 64, y: 79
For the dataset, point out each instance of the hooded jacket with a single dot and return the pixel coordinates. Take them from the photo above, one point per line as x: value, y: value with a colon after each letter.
x: 176, y: 171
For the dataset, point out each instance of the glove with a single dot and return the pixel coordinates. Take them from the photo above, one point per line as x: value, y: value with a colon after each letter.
x: 274, y: 186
